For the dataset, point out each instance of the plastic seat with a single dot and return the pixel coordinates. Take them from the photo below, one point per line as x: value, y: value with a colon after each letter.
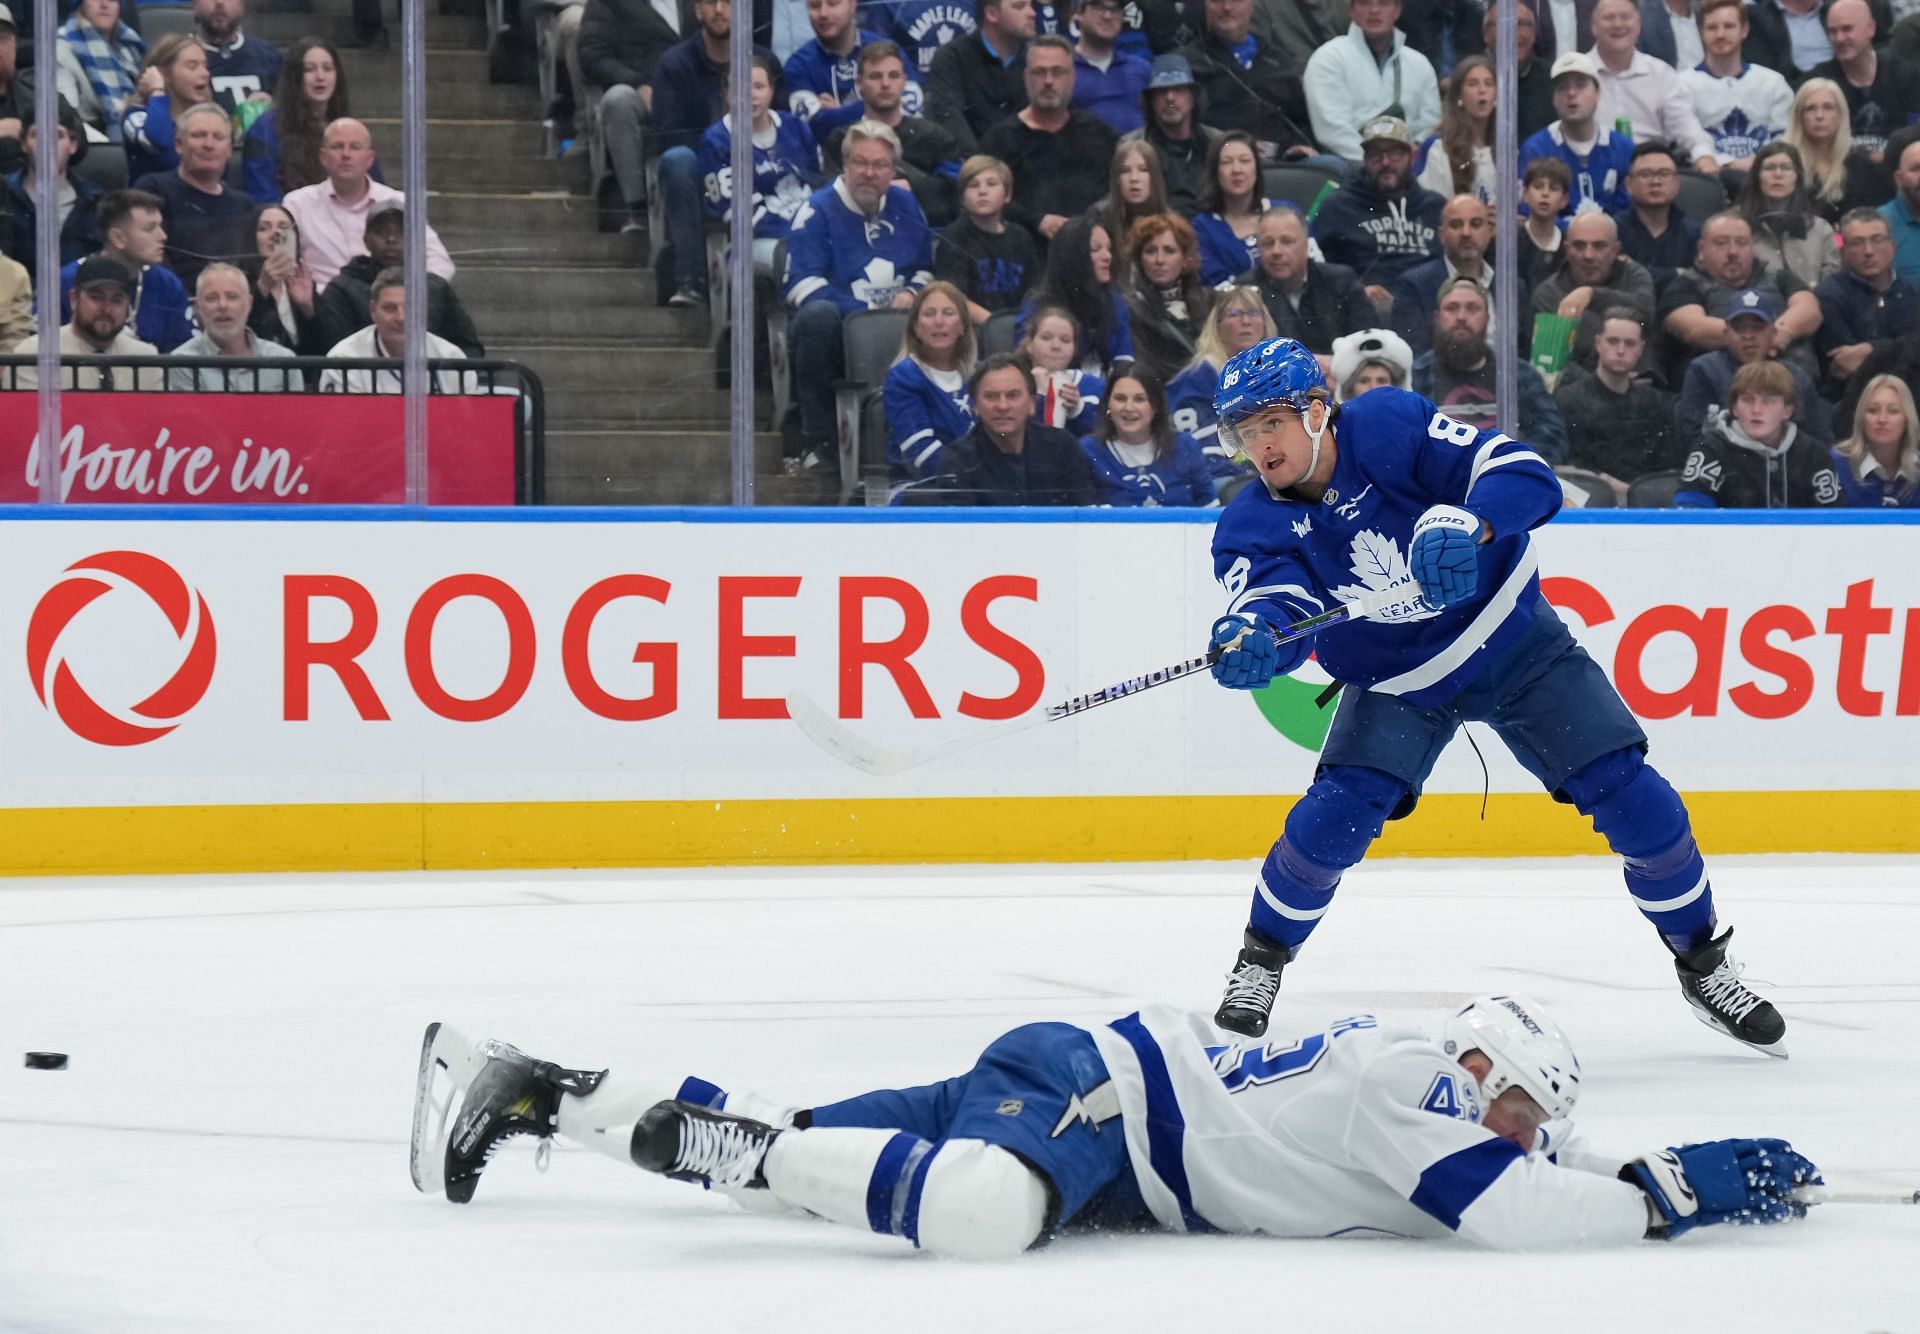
x: 996, y: 335
x: 871, y: 340
x: 1700, y: 197
x: 1655, y: 491
x: 105, y: 165
x: 160, y: 21
x: 1587, y: 490
x: 1296, y: 183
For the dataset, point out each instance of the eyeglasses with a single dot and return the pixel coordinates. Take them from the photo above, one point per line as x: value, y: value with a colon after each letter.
x: 1866, y: 242
x: 1653, y: 174
x: 1242, y: 313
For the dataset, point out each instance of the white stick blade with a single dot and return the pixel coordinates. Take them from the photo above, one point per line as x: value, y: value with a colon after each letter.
x: 827, y: 732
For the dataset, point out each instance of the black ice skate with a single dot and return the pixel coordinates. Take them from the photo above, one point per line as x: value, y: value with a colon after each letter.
x: 1251, y: 988
x: 688, y: 1142
x: 1711, y: 983
x: 472, y: 1097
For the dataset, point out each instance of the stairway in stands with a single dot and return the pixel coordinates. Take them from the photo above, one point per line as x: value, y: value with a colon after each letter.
x: 633, y: 415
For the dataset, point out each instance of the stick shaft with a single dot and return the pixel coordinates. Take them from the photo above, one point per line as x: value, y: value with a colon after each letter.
x: 831, y: 736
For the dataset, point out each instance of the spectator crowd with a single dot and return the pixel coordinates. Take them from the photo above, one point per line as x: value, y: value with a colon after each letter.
x: 256, y: 223
x: 1082, y: 208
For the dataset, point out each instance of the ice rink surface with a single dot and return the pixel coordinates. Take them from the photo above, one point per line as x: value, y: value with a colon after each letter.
x: 227, y: 1151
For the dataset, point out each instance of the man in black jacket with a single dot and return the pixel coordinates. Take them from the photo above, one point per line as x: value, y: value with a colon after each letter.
x: 979, y: 80
x: 1174, y: 130
x: 1060, y: 157
x: 342, y: 309
x: 1265, y: 97
x: 1309, y: 301
x: 620, y: 42
x: 1008, y: 458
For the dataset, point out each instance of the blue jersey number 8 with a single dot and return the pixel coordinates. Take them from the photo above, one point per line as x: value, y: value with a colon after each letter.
x: 1443, y: 427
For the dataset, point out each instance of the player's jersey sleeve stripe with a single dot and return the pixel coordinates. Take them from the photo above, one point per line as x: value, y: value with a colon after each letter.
x: 1478, y: 631
x: 888, y: 1175
x: 1290, y: 590
x: 803, y: 289
x: 1483, y: 458
x: 914, y: 1179
x: 1166, y: 1126
x: 1449, y: 1187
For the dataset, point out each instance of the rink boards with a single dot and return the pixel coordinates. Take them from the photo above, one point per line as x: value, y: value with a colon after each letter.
x: 606, y: 688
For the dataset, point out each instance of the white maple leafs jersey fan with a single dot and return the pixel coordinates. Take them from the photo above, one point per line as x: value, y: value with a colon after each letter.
x: 1361, y: 1126
x: 1398, y: 455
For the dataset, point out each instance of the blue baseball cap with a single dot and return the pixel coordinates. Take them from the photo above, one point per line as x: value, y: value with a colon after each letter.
x: 1751, y: 302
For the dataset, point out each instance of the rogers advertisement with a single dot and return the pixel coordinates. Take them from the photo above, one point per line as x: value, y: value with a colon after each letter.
x: 258, y: 449
x: 248, y: 662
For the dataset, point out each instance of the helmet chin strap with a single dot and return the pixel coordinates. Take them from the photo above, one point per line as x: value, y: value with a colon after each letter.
x: 1314, y: 435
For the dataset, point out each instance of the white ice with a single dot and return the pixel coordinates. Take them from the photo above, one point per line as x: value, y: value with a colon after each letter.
x: 227, y: 1151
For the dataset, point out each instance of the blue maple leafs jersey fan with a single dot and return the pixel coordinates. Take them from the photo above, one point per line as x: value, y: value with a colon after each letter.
x: 813, y: 70
x: 1399, y: 454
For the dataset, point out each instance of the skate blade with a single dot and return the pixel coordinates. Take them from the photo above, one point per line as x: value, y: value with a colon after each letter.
x: 447, y: 1065
x: 1778, y: 1050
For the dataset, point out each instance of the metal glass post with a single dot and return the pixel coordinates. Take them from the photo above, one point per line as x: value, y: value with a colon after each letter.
x: 413, y: 139
x: 740, y: 253
x: 1506, y: 221
x: 46, y: 287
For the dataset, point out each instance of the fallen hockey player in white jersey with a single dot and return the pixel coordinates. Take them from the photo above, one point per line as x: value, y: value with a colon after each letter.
x: 1150, y: 1121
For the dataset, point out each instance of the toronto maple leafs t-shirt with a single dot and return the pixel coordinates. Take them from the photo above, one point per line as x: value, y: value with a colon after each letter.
x: 1398, y: 454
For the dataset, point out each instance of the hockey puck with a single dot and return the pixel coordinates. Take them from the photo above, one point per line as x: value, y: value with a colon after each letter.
x: 46, y: 1060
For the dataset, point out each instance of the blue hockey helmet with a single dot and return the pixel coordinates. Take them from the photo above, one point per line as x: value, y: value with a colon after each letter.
x: 1277, y: 373
x: 1526, y: 1048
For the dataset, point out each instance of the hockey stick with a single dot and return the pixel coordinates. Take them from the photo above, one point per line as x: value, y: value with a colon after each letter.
x: 1853, y: 1195
x: 830, y: 735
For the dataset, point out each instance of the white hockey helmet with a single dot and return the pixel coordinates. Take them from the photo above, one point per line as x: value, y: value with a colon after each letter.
x: 1527, y: 1049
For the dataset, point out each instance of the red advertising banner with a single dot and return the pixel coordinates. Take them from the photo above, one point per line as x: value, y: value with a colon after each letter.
x: 259, y: 449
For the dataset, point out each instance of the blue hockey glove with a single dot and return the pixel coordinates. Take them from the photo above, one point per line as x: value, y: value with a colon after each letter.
x: 1445, y: 555
x: 1744, y: 1181
x: 1248, y: 657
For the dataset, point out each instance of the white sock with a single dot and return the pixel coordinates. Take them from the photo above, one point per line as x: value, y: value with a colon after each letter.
x: 831, y: 1172
x: 603, y: 1120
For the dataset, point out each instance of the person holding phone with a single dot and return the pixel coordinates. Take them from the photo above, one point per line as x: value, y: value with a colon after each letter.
x: 285, y: 294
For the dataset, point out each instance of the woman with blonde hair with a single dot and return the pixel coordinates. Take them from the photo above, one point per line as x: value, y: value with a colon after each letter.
x: 1458, y: 159
x: 1238, y: 320
x: 176, y: 77
x: 1879, y: 464
x: 1820, y: 128
x: 926, y: 389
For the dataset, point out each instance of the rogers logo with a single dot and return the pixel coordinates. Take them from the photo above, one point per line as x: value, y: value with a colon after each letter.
x: 60, y: 690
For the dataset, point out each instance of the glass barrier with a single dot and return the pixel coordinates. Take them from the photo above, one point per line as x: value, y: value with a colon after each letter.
x: 1149, y: 210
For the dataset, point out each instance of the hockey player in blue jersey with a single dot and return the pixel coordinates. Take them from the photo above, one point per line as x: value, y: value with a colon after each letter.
x: 1388, y: 493
x: 1364, y: 1124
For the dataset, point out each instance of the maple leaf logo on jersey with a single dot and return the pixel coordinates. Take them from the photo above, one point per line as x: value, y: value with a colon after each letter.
x: 1379, y: 566
x: 877, y: 283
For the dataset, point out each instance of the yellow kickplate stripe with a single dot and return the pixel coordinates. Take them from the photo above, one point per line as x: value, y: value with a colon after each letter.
x: 507, y: 835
